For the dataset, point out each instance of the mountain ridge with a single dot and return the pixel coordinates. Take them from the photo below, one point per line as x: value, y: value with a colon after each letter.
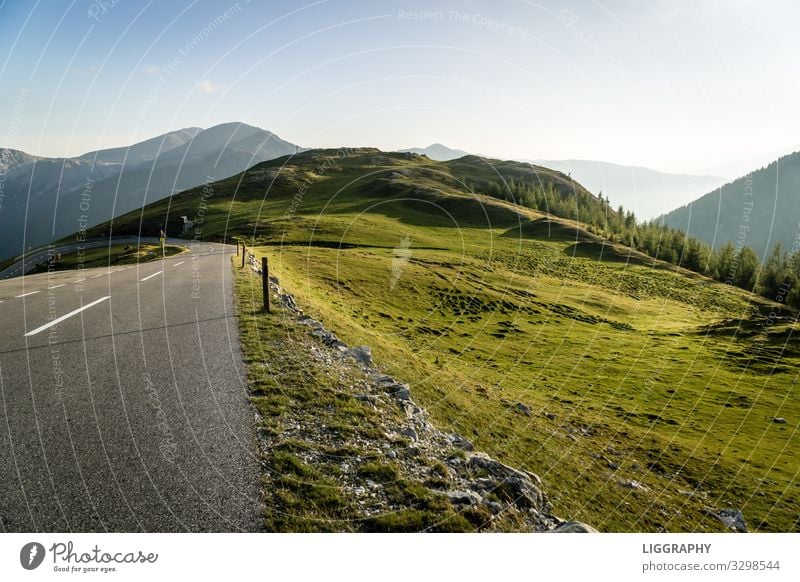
x: 143, y: 150
x: 48, y: 198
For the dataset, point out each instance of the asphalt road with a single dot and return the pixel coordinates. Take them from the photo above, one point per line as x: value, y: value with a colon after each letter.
x: 131, y: 412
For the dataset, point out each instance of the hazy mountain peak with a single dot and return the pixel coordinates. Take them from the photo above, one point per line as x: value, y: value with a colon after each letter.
x: 143, y: 150
x: 645, y: 191
x: 438, y: 152
x: 215, y: 139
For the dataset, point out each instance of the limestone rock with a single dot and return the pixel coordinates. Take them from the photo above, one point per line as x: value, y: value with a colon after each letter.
x: 521, y: 491
x: 361, y: 354
x: 399, y: 391
x: 574, y: 527
x: 464, y: 497
x: 523, y: 409
x: 732, y: 518
x: 510, y: 484
x: 460, y: 442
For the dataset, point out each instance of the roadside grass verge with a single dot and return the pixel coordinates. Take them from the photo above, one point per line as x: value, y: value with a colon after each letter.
x: 313, y: 430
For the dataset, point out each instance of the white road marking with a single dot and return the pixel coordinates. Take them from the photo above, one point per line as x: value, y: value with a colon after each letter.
x: 56, y: 286
x: 26, y: 294
x: 96, y: 276
x: 67, y: 316
x: 150, y: 276
x: 176, y: 264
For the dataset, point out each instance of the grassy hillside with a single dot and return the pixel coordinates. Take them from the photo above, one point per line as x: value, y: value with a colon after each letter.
x: 645, y: 396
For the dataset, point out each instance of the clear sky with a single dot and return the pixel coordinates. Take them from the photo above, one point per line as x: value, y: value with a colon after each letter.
x: 701, y: 86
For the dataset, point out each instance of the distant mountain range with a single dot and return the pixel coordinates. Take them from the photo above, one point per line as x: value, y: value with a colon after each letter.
x: 44, y: 199
x: 438, y: 152
x: 756, y: 210
x: 648, y: 193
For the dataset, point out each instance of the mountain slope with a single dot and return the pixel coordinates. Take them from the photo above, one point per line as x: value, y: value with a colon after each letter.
x: 757, y: 210
x: 12, y: 159
x: 144, y: 150
x: 648, y: 193
x: 47, y: 199
x: 554, y: 351
x: 438, y: 152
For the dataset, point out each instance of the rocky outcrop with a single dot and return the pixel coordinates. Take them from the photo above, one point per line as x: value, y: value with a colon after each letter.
x: 574, y: 527
x: 732, y: 518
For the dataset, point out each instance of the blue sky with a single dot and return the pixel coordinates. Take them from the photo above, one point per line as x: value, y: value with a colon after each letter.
x: 701, y: 86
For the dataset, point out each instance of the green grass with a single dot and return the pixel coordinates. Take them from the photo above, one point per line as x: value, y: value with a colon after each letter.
x: 632, y: 370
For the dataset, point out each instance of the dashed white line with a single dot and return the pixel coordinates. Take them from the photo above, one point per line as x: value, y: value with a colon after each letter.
x: 96, y: 276
x: 150, y: 276
x: 56, y: 286
x: 176, y: 264
x: 26, y: 294
x: 67, y: 316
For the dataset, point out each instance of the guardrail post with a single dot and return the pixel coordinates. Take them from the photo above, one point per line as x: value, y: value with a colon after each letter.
x: 237, y: 248
x: 265, y: 282
x: 244, y: 253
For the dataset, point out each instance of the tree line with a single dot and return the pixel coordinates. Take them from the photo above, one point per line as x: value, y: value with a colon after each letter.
x: 777, y: 278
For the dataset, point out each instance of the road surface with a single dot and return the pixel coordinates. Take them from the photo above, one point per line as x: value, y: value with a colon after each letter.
x: 123, y: 403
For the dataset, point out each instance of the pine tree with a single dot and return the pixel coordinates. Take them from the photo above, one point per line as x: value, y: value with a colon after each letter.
x: 774, y: 273
x: 747, y: 269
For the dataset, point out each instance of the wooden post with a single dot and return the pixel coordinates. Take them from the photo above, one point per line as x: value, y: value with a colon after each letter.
x: 237, y: 248
x: 265, y: 282
x: 244, y: 252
